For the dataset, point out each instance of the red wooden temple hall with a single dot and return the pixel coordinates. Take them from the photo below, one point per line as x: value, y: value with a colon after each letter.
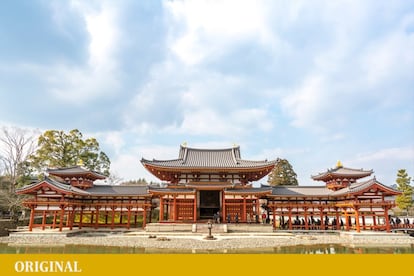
x: 203, y: 182
x: 71, y: 198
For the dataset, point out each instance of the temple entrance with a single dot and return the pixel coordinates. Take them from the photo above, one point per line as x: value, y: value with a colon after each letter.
x: 209, y: 204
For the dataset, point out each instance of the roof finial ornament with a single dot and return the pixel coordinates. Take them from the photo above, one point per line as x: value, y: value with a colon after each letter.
x: 184, y: 144
x: 234, y: 145
x: 339, y: 164
x: 80, y: 163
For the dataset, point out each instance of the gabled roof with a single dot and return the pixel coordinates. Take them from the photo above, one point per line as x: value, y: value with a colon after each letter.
x: 360, y: 187
x: 97, y: 190
x: 76, y: 171
x: 322, y: 191
x: 342, y: 172
x: 208, y: 158
x: 52, y: 184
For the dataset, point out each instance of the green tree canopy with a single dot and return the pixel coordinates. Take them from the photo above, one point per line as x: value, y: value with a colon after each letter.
x: 60, y: 149
x: 282, y: 174
x: 405, y: 200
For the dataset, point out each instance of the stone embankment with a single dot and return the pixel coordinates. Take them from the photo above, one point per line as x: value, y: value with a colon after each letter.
x: 221, y: 241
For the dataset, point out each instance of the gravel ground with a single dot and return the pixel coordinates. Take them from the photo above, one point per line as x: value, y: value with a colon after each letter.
x: 191, y: 241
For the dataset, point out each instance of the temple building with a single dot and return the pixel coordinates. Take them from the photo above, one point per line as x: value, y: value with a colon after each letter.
x: 71, y: 199
x: 204, y: 183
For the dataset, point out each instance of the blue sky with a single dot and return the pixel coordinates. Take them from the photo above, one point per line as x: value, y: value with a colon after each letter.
x: 310, y: 81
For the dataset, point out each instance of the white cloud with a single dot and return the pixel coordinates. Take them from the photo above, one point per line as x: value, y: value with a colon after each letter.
x: 97, y: 77
x: 207, y: 28
x: 387, y: 154
x: 386, y: 162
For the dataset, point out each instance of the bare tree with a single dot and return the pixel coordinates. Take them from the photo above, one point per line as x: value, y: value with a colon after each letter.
x: 16, y: 145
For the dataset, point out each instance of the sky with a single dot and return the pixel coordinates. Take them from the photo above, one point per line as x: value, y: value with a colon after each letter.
x: 310, y: 81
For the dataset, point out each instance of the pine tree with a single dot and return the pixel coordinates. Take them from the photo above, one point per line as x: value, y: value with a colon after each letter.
x: 405, y: 200
x: 282, y: 174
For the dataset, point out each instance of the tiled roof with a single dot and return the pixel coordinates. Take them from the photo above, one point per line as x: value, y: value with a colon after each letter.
x: 342, y: 172
x: 97, y: 190
x: 359, y: 186
x: 75, y: 170
x: 300, y: 191
x: 308, y: 191
x: 57, y: 184
x: 208, y: 158
x: 118, y: 190
x: 249, y: 190
x: 171, y: 190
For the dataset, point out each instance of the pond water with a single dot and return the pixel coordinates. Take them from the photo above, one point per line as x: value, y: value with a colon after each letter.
x: 298, y: 249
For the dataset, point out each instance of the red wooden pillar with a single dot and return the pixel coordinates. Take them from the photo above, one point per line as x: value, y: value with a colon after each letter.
x: 54, y: 219
x: 244, y: 209
x: 71, y: 218
x: 43, y: 220
x: 322, y: 222
x: 81, y: 218
x: 387, y: 221
x: 113, y: 217
x: 363, y: 222
x: 274, y: 217
x: 346, y: 221
x: 290, y: 218
x: 358, y: 228
x: 161, y: 215
x: 174, y: 208
x: 224, y: 207
x: 144, y: 217
x: 31, y: 220
x: 97, y: 217
x: 195, y: 207
x: 62, y: 215
x: 305, y: 210
x: 338, y: 223
x: 129, y: 218
x: 67, y: 219
x: 374, y: 219
x: 92, y: 217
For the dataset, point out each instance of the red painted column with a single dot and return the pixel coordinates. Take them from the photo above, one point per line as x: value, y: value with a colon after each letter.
x: 161, y: 215
x: 62, y: 215
x: 81, y: 218
x: 358, y: 227
x: 244, y: 209
x: 305, y: 209
x: 195, y: 207
x: 387, y: 221
x: 224, y: 207
x: 54, y: 219
x: 129, y: 218
x: 97, y: 217
x: 43, y: 220
x: 175, y: 208
x: 113, y: 217
x: 31, y: 220
x: 144, y: 217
